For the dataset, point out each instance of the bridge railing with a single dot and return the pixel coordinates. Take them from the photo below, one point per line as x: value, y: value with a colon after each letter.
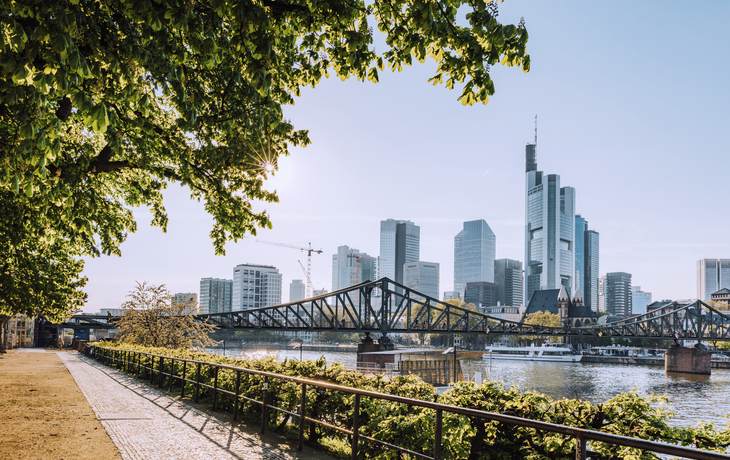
x: 130, y: 361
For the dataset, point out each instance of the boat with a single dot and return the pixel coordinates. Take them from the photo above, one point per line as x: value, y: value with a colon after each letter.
x: 547, y: 352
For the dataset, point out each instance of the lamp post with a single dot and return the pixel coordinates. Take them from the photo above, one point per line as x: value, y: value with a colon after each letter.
x: 299, y: 344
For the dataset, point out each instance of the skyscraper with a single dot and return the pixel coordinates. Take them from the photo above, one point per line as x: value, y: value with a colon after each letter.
x: 617, y: 292
x: 215, y: 295
x: 190, y: 298
x: 350, y: 266
x: 639, y: 300
x: 297, y: 290
x: 400, y: 243
x: 549, y: 229
x: 474, y: 254
x: 712, y: 275
x: 255, y: 286
x: 508, y: 282
x: 422, y: 277
x: 586, y: 262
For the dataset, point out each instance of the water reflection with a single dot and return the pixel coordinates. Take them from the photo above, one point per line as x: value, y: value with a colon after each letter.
x: 691, y: 397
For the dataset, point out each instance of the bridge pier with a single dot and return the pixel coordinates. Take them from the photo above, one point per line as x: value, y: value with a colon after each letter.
x: 367, y: 345
x: 691, y: 360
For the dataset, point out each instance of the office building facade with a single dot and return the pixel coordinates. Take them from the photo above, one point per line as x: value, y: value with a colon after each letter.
x: 422, y: 277
x: 617, y: 293
x: 297, y: 290
x: 549, y: 229
x: 400, y: 243
x: 482, y: 294
x: 508, y: 282
x: 216, y: 295
x: 255, y: 286
x: 189, y: 298
x: 639, y: 300
x: 350, y: 266
x: 712, y: 275
x: 474, y: 254
x: 586, y: 262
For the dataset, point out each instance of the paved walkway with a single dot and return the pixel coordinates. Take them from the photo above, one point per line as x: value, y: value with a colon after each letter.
x: 147, y: 424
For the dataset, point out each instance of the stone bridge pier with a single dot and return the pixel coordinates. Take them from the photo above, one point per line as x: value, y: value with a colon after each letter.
x: 691, y: 360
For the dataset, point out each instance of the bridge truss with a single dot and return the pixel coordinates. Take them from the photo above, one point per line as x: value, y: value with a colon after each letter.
x: 386, y: 307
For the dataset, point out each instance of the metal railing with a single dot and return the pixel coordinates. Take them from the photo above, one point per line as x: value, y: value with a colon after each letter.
x: 130, y: 361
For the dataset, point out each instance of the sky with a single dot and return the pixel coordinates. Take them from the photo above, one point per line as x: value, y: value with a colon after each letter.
x: 632, y: 102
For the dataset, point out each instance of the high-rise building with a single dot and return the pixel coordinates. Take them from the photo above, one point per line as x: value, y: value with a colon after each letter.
x: 480, y: 293
x: 617, y: 292
x: 255, y: 286
x: 474, y: 253
x: 216, y: 295
x: 712, y: 275
x: 586, y: 262
x: 602, y: 293
x: 508, y: 282
x: 549, y: 229
x: 350, y: 266
x: 400, y: 243
x: 297, y: 290
x: 448, y: 295
x: 639, y: 300
x: 190, y: 298
x: 422, y: 277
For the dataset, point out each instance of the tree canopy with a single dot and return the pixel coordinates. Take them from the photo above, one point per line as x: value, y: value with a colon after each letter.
x: 105, y: 103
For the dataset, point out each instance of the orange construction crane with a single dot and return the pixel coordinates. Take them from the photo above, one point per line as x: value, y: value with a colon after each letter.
x: 309, y: 257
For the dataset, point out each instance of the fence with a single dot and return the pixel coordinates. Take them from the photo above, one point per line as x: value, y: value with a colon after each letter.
x: 130, y: 361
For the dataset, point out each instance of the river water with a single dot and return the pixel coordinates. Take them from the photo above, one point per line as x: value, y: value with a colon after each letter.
x: 692, y: 397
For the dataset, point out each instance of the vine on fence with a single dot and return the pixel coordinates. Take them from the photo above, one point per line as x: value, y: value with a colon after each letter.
x: 627, y: 414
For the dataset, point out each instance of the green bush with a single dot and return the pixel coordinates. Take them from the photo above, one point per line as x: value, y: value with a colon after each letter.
x: 411, y: 427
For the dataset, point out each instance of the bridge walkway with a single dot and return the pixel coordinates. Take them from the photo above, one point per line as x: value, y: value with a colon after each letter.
x: 148, y: 424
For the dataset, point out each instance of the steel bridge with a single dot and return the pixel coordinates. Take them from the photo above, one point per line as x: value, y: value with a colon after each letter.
x: 386, y: 307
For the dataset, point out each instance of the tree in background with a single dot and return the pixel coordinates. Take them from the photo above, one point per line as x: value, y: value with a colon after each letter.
x: 542, y: 318
x: 151, y: 318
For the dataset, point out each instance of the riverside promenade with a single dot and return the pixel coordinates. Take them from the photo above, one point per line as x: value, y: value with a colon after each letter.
x: 148, y: 424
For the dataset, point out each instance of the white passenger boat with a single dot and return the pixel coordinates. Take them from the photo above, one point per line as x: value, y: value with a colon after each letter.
x: 546, y: 352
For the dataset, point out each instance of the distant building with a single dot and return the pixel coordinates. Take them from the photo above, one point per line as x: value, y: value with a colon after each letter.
x: 481, y: 294
x: 448, y: 295
x: 503, y: 312
x: 319, y: 292
x: 400, y: 243
x: 602, y: 293
x: 572, y: 312
x: 586, y: 262
x: 350, y: 266
x: 474, y: 254
x: 657, y: 305
x: 508, y: 282
x: 111, y: 311
x: 723, y: 295
x: 549, y: 229
x: 617, y: 293
x: 712, y: 275
x: 297, y: 290
x: 639, y: 300
x: 216, y: 295
x: 191, y: 297
x: 255, y: 286
x: 422, y: 277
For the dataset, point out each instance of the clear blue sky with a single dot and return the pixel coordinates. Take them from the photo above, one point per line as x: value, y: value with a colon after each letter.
x: 632, y: 100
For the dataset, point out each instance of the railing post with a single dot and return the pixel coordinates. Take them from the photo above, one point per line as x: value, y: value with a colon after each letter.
x: 197, y: 383
x: 355, y: 426
x: 138, y: 358
x: 580, y: 448
x: 182, y: 385
x: 172, y: 371
x: 161, y: 372
x: 235, y: 397
x: 437, y: 436
x: 215, y: 385
x: 301, y: 416
x: 263, y: 405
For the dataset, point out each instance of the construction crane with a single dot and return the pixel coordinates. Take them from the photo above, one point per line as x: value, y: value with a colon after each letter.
x: 309, y: 257
x: 357, y: 258
x: 310, y: 285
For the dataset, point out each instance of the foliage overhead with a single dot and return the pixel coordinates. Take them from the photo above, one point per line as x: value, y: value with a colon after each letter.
x: 152, y: 317
x: 102, y: 104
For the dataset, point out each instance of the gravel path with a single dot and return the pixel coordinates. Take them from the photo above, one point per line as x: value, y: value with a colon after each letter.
x: 147, y: 424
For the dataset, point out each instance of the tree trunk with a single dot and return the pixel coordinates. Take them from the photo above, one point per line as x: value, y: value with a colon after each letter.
x: 4, y: 319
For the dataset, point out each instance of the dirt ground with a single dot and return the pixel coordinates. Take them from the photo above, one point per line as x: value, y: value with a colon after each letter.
x: 44, y: 415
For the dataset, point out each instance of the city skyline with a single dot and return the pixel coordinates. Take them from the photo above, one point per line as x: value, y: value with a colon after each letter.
x: 632, y: 138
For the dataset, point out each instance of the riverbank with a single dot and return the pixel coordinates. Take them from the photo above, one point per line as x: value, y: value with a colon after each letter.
x: 642, y: 361
x: 283, y: 346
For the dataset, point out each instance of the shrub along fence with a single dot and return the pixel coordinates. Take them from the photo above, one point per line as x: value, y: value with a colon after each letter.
x: 348, y: 416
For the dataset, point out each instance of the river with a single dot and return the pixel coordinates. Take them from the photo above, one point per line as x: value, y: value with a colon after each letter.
x: 692, y: 397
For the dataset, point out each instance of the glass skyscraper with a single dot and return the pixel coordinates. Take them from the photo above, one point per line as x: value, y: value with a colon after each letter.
x: 617, y: 292
x: 350, y: 266
x: 508, y: 282
x: 422, y: 277
x: 712, y: 275
x: 400, y: 243
x: 586, y: 262
x: 549, y: 230
x: 474, y: 254
x: 215, y: 295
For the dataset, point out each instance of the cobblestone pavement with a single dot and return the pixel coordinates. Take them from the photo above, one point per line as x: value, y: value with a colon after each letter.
x: 147, y: 424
